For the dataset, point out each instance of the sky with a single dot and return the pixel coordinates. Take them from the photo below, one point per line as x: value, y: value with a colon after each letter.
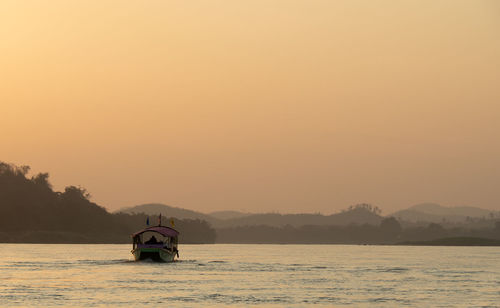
x: 257, y: 106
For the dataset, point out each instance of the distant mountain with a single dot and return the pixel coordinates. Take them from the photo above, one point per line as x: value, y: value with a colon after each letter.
x: 420, y: 213
x: 432, y: 212
x: 224, y: 219
x: 416, y: 216
x: 228, y: 214
x: 436, y: 209
x: 168, y: 211
x: 354, y: 216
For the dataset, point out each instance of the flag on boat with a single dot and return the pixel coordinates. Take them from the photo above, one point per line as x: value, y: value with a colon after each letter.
x: 172, y: 222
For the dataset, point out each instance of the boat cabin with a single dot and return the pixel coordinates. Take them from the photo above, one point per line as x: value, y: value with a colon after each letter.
x: 156, y: 237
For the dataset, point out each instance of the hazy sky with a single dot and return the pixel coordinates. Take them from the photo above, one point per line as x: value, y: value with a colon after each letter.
x: 289, y: 106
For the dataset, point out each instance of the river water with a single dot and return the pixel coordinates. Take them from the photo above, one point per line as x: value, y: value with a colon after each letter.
x: 251, y: 275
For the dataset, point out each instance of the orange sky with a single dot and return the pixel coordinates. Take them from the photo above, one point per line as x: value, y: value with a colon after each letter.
x: 289, y: 106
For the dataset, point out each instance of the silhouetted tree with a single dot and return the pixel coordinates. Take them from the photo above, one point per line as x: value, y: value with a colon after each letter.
x: 42, y: 179
x: 365, y: 206
x: 75, y: 193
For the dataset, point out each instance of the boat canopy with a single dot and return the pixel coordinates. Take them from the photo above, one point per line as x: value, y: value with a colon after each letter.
x: 165, y: 231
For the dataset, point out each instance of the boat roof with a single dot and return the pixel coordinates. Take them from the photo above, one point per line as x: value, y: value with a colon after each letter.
x: 165, y: 231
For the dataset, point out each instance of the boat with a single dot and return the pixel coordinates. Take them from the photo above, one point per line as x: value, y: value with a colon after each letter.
x: 158, y: 243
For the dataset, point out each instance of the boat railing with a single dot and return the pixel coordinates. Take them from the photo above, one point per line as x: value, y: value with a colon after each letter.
x: 158, y: 245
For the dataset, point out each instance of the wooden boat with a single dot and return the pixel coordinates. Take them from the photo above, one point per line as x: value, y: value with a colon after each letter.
x: 157, y: 243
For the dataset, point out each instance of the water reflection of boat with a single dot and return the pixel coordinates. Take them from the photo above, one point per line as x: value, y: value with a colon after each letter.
x: 157, y: 243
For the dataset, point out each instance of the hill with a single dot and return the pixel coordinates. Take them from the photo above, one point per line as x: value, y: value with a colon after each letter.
x: 31, y: 212
x: 436, y: 209
x: 356, y: 215
x: 154, y: 209
x: 228, y: 214
x: 431, y: 212
x: 360, y: 214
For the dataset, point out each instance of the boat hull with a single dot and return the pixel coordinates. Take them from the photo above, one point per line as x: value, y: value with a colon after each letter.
x: 155, y: 254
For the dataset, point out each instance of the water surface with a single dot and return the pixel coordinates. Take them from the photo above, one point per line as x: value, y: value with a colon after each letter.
x: 251, y: 275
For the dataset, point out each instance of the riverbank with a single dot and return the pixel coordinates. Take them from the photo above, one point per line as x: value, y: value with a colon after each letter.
x: 455, y: 241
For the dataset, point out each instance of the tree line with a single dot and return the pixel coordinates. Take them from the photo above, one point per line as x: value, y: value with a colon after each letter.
x: 389, y: 231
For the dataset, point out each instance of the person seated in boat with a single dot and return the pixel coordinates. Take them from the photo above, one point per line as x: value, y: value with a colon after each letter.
x: 152, y: 240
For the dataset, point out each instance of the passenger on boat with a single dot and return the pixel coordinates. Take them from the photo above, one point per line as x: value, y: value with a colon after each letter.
x: 152, y: 240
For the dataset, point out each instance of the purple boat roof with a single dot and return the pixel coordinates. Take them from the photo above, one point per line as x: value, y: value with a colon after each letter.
x: 165, y: 231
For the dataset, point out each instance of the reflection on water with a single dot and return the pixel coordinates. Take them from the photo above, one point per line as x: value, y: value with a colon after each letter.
x: 251, y: 275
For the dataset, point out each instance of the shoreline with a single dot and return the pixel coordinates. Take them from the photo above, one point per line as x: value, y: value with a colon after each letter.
x: 442, y: 242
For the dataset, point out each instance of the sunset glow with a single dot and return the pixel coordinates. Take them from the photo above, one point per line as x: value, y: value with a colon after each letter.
x: 257, y: 106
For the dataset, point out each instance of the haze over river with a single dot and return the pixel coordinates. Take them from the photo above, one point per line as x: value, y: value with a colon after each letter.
x: 251, y: 275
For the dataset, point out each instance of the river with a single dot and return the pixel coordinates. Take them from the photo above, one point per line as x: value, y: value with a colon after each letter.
x: 251, y: 276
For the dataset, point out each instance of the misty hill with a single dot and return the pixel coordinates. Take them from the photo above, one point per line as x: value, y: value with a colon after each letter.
x: 359, y: 214
x: 436, y: 209
x: 157, y: 208
x: 228, y: 214
x: 431, y: 212
x: 154, y: 209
